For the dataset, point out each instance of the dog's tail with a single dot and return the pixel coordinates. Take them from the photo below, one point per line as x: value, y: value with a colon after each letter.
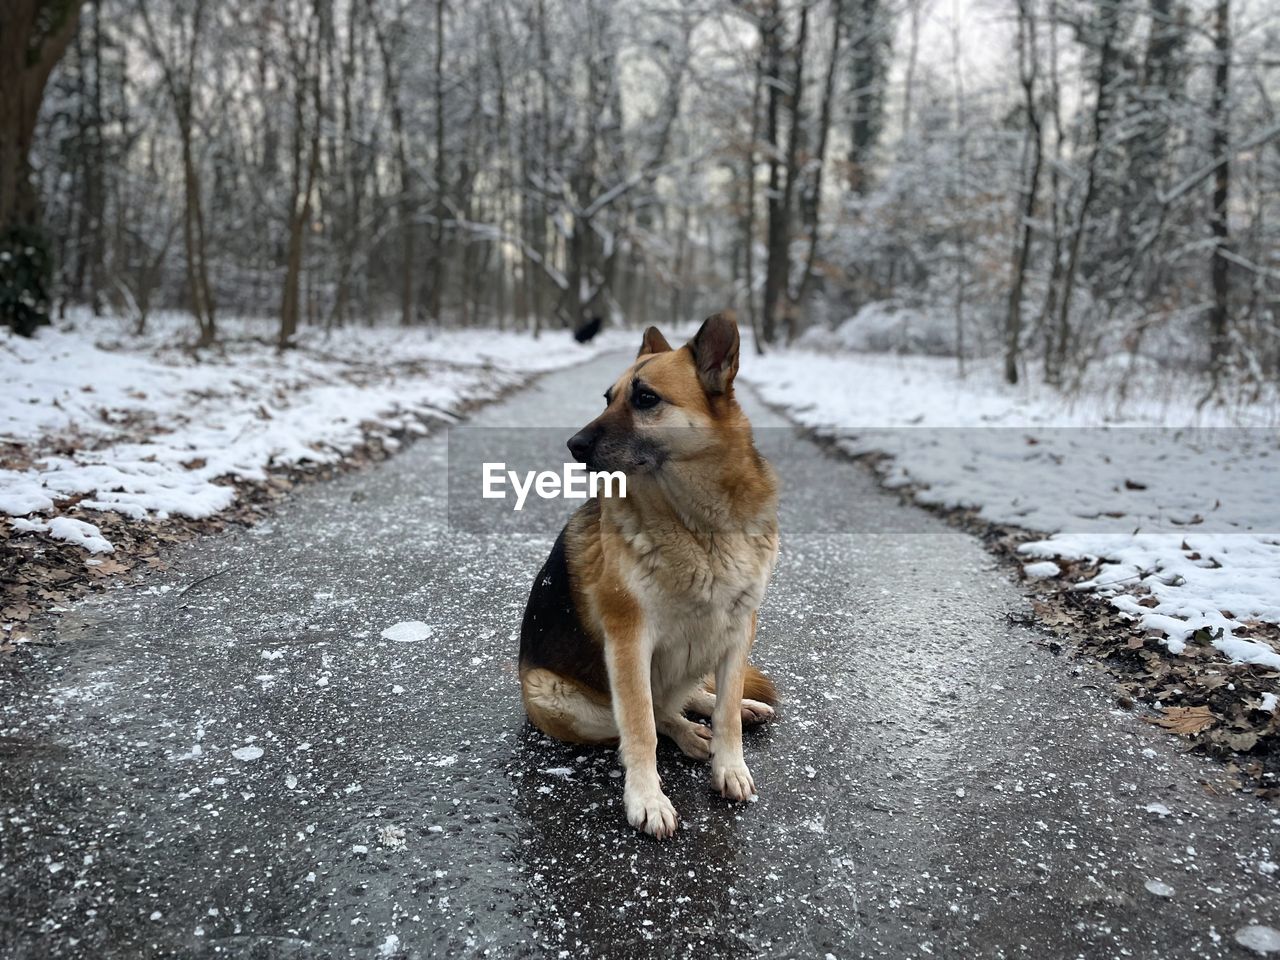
x: 759, y: 687
x: 755, y: 686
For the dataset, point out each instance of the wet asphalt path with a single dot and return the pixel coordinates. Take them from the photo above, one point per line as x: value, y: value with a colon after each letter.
x: 938, y: 785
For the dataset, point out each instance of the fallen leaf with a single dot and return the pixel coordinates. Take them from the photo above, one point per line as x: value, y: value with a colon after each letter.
x: 17, y: 611
x: 1241, y: 742
x: 1184, y: 720
x: 109, y: 567
x: 1050, y: 615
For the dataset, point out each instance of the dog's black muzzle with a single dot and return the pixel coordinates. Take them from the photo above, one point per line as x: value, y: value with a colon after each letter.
x: 583, y: 444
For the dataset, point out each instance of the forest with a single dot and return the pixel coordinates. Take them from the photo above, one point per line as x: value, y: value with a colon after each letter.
x: 1060, y: 185
x: 980, y: 471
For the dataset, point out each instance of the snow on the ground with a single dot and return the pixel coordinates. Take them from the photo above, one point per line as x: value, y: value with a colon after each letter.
x: 1178, y: 507
x: 140, y: 427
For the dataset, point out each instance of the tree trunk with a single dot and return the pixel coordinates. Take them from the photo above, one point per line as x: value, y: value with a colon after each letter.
x: 441, y: 212
x: 793, y: 173
x: 1048, y: 312
x: 1220, y: 276
x: 1101, y: 109
x: 193, y: 240
x: 960, y: 179
x: 307, y: 86
x: 868, y: 32
x: 811, y: 198
x: 404, y: 202
x: 33, y: 36
x: 775, y: 277
x: 749, y: 214
x: 1027, y: 56
x: 95, y: 172
x: 179, y: 81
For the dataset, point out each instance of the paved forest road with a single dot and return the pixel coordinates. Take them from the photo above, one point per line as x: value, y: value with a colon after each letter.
x: 938, y: 784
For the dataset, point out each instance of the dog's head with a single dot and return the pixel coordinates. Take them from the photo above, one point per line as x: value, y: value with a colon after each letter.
x: 669, y: 405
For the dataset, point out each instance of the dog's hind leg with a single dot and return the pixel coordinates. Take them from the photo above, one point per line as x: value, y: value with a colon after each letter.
x: 703, y: 703
x: 566, y: 710
x: 693, y: 739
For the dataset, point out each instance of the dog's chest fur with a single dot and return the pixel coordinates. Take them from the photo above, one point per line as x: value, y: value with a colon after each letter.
x: 698, y: 594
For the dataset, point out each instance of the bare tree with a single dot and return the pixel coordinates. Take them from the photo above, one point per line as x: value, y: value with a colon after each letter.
x: 1033, y: 152
x: 405, y: 204
x: 811, y: 192
x: 304, y: 53
x: 771, y: 45
x: 1220, y: 275
x: 869, y: 27
x: 178, y: 61
x: 1108, y: 26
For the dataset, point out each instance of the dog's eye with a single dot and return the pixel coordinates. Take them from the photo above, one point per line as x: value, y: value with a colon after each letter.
x: 645, y: 399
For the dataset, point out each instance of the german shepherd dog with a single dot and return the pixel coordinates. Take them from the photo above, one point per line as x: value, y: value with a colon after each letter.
x: 647, y: 606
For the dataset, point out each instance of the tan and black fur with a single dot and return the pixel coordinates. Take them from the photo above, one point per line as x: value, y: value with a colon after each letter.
x: 646, y: 607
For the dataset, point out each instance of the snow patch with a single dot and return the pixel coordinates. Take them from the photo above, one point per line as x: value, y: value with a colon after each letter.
x: 1041, y: 569
x: 1174, y: 507
x: 391, y: 837
x: 408, y: 631
x: 236, y: 414
x: 80, y: 533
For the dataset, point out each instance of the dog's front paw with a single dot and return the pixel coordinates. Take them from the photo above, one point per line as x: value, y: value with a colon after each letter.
x: 648, y: 809
x: 732, y: 780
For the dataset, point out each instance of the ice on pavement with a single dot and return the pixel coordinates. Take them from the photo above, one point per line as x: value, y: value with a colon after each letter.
x: 1259, y: 938
x: 408, y: 631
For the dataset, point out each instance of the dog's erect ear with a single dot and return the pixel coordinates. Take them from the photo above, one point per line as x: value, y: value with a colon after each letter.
x: 653, y: 342
x: 715, y: 352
